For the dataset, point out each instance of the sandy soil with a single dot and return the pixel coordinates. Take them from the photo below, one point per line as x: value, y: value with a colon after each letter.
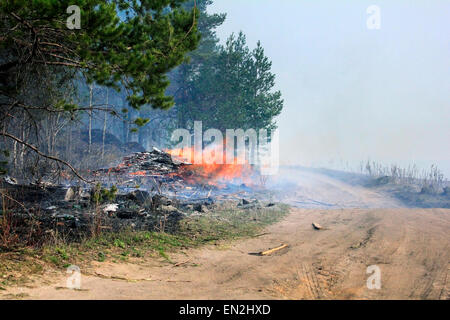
x: 410, y: 246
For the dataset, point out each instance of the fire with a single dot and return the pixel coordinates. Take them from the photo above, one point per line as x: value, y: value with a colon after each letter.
x: 206, y: 170
x: 216, y: 174
x: 138, y: 173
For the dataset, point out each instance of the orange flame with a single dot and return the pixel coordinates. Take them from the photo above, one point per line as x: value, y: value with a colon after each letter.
x: 213, y: 174
x: 138, y: 173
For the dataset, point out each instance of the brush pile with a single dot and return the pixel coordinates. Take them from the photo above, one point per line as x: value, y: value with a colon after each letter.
x: 155, y: 163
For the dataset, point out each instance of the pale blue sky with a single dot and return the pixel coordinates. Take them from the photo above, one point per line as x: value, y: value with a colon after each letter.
x: 352, y: 93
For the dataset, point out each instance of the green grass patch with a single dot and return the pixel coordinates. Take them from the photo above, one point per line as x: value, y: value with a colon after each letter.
x: 230, y: 224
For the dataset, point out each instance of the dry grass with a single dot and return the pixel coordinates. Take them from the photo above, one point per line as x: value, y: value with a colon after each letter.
x: 429, y: 178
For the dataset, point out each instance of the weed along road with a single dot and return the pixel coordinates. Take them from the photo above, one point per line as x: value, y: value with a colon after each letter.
x: 408, y: 247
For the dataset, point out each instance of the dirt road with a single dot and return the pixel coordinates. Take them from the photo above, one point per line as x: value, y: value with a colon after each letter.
x: 410, y: 247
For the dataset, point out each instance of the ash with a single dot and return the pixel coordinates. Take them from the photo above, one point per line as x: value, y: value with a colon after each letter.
x: 146, y: 191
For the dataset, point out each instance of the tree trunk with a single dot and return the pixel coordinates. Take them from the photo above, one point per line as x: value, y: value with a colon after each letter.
x: 15, y: 154
x: 91, y: 89
x: 125, y: 126
x: 104, y: 124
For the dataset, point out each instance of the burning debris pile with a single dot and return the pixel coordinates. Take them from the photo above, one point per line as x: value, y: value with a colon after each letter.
x: 147, y: 191
x: 153, y: 169
x: 155, y: 163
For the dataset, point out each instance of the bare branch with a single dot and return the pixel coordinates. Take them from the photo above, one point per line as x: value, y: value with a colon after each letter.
x: 5, y: 134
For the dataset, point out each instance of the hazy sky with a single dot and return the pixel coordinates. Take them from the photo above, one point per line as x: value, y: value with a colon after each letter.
x: 352, y: 93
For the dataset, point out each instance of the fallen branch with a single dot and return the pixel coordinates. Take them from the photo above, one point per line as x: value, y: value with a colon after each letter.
x: 14, y: 200
x: 181, y: 263
x: 260, y: 235
x: 270, y: 251
x: 120, y: 278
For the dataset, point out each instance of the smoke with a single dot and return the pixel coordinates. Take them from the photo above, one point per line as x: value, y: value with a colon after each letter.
x: 352, y: 93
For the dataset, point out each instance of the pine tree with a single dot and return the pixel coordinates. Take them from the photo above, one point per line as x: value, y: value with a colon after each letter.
x: 181, y: 77
x: 232, y: 89
x: 126, y: 45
